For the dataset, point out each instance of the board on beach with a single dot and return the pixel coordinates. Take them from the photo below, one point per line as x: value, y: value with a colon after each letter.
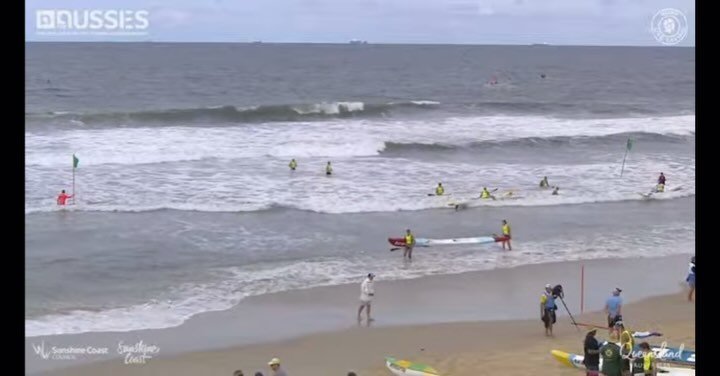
x: 422, y: 242
x: 576, y: 361
x: 408, y: 368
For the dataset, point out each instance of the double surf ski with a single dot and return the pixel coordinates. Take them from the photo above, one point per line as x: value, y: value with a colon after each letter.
x: 424, y: 242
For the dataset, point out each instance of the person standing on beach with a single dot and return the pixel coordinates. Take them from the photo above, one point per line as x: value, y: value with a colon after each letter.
x: 611, y: 358
x: 627, y: 343
x: 592, y: 353
x: 275, y: 366
x: 292, y: 165
x: 328, y: 169
x: 691, y: 278
x: 409, y: 244
x: 613, y: 308
x: 367, y: 292
x: 63, y: 197
x: 506, y: 234
x: 647, y: 361
x: 547, y: 309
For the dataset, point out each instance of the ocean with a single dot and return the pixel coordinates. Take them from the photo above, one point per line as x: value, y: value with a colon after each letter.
x: 185, y: 203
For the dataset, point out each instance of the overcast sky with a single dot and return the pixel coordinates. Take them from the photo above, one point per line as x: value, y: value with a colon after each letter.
x: 577, y: 22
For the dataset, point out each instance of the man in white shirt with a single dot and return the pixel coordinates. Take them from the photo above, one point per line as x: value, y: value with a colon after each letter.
x: 367, y: 291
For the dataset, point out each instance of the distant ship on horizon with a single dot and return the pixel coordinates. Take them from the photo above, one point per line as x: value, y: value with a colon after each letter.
x: 541, y: 44
x: 358, y: 41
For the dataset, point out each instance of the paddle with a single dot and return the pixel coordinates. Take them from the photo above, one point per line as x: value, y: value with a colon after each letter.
x: 433, y: 194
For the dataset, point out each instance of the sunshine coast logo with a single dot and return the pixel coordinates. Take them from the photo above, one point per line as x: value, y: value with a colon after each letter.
x: 91, y: 22
x: 138, y: 353
x: 67, y: 353
x: 669, y: 26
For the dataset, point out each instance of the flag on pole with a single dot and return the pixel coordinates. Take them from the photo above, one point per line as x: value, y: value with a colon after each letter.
x: 75, y: 161
x: 627, y: 150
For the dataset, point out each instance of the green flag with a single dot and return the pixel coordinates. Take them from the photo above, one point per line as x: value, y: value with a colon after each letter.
x: 629, y: 144
x: 75, y: 161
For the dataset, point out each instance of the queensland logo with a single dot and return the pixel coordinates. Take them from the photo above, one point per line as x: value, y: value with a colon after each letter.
x: 669, y: 26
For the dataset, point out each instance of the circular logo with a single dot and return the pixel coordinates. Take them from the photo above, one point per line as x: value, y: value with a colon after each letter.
x: 669, y: 26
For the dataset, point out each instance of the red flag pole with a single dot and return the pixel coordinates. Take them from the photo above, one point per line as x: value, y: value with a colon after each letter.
x: 582, y: 288
x: 73, y: 180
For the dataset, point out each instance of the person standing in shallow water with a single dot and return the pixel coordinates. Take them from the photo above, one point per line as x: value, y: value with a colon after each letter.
x: 328, y: 169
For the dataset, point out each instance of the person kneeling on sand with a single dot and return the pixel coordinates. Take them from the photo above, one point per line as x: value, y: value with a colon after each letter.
x: 547, y: 309
x: 275, y: 366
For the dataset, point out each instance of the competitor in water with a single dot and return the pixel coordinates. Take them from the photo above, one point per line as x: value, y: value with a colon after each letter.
x: 506, y: 234
x: 555, y: 191
x: 292, y: 165
x: 409, y: 244
x: 439, y: 190
x: 328, y: 169
x: 661, y: 183
x: 63, y: 197
x: 544, y: 182
x: 485, y: 194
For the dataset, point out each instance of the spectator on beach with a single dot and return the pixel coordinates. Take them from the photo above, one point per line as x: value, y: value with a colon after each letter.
x: 275, y: 366
x: 367, y: 291
x: 647, y: 361
x: 691, y: 278
x: 627, y: 343
x: 611, y: 358
x: 613, y: 308
x: 592, y: 353
x: 547, y: 309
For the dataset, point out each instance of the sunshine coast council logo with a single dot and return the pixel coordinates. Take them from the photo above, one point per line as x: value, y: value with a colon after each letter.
x: 669, y: 26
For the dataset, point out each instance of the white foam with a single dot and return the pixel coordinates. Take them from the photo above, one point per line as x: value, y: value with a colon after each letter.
x: 239, y: 283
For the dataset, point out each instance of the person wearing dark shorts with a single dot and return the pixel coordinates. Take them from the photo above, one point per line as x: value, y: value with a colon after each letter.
x: 613, y: 308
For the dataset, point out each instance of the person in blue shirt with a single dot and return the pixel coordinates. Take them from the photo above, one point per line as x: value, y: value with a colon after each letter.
x: 691, y: 278
x: 613, y: 308
x: 547, y: 309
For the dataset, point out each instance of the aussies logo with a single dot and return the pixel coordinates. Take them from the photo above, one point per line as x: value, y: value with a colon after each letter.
x: 91, y: 21
x: 67, y: 353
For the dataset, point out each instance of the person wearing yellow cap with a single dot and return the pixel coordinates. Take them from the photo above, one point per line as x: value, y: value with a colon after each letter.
x: 275, y: 366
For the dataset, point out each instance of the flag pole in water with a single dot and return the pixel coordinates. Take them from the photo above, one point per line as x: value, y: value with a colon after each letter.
x: 627, y: 150
x: 75, y: 164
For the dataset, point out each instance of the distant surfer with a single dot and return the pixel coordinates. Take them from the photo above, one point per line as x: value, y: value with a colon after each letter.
x: 547, y: 309
x: 63, y: 197
x: 328, y: 169
x: 691, y: 278
x: 439, y: 190
x: 542, y: 75
x: 367, y: 292
x: 293, y: 164
x: 409, y: 244
x: 555, y: 191
x: 493, y: 80
x: 544, y: 182
x: 661, y: 183
x: 506, y: 234
x: 485, y: 194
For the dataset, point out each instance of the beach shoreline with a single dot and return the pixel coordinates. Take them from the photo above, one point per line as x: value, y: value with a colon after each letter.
x: 281, y: 323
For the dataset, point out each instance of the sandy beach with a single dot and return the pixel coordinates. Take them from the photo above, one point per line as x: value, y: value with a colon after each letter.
x: 487, y: 345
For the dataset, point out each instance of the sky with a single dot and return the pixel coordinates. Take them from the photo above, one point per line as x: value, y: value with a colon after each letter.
x: 559, y: 22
